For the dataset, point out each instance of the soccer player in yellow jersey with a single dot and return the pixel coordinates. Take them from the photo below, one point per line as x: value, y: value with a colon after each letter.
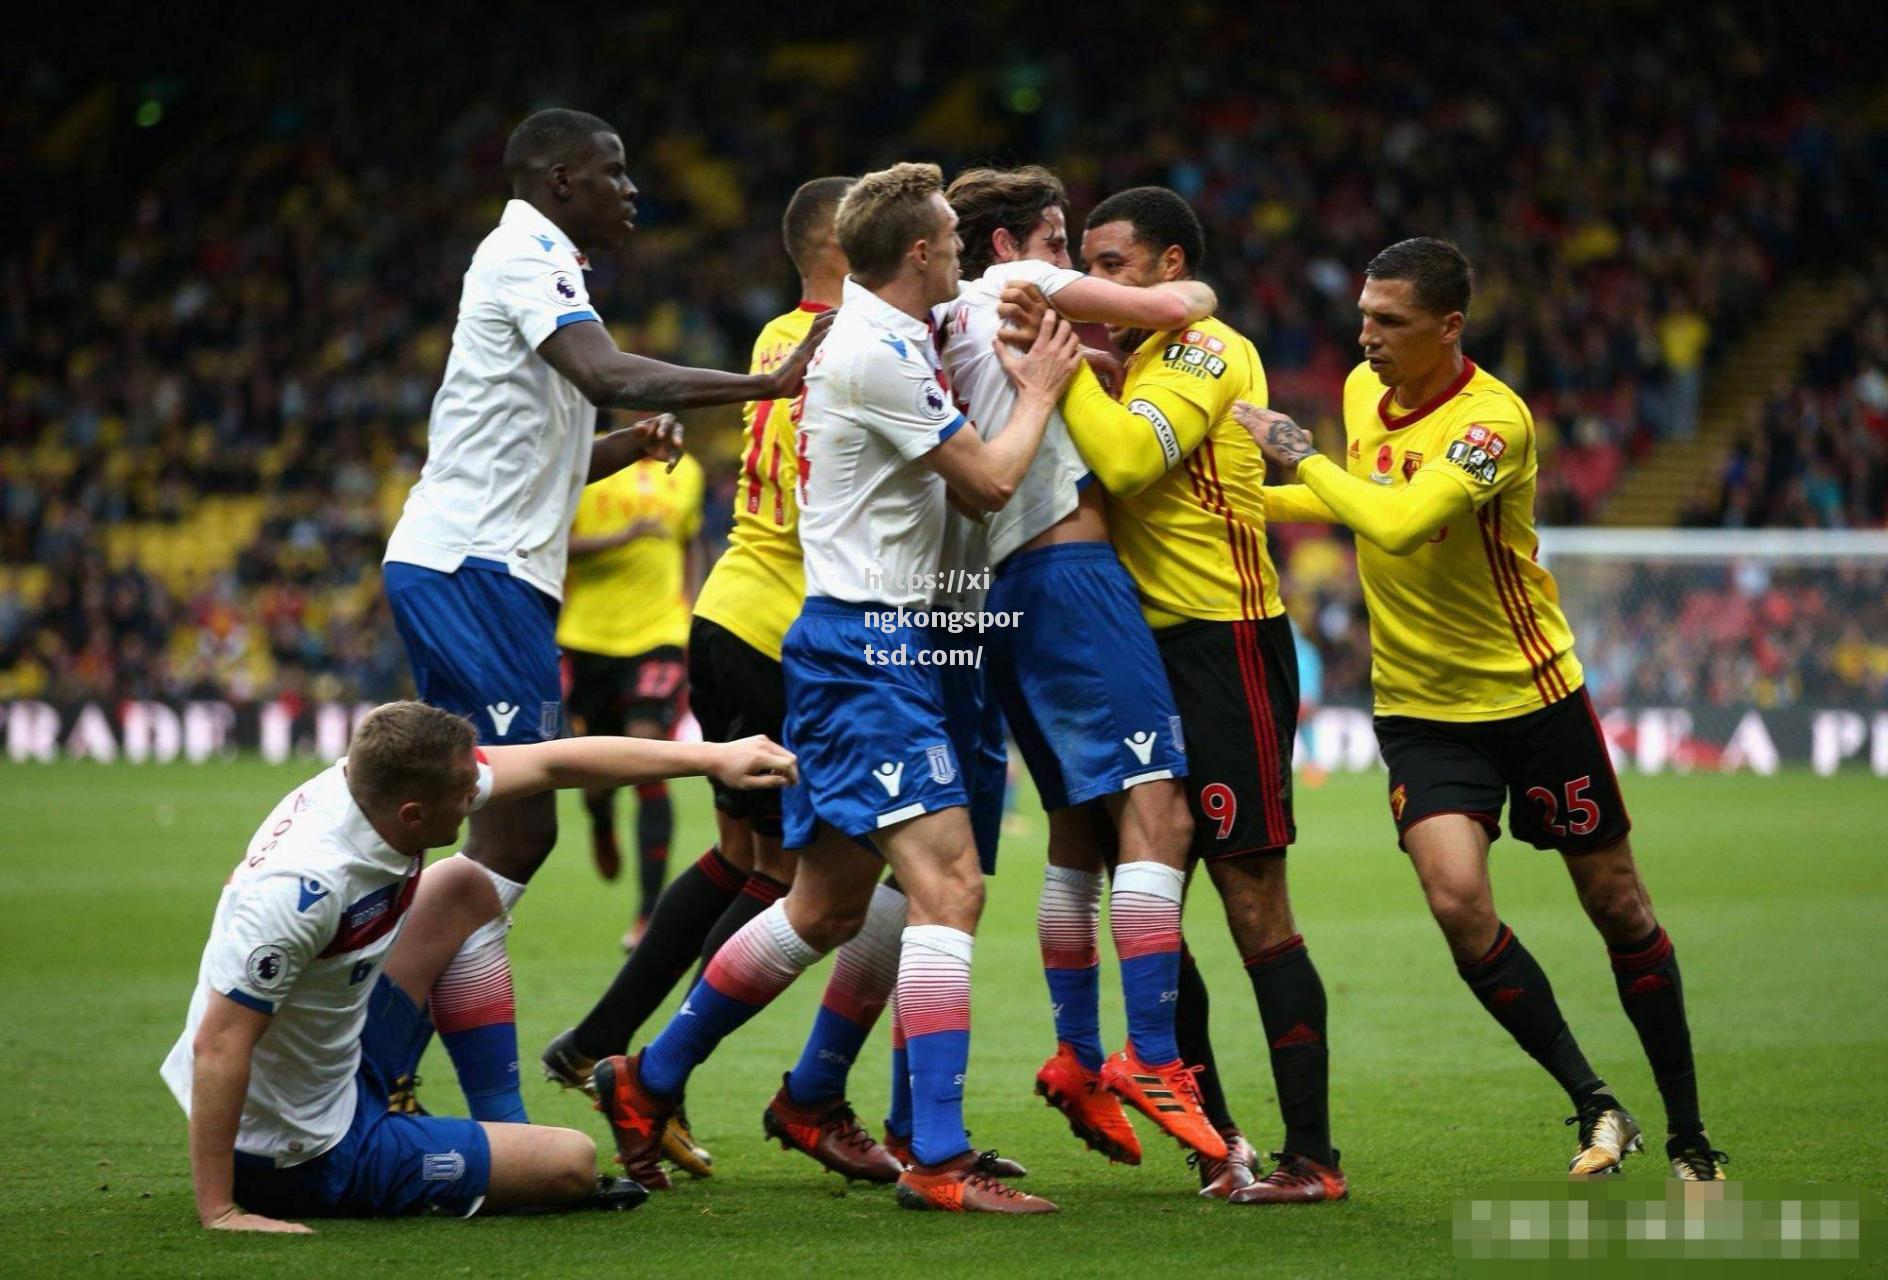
x: 635, y: 563
x: 1184, y: 506
x: 751, y: 596
x: 1479, y: 697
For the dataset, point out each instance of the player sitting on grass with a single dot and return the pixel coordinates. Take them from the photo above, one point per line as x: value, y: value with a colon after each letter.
x: 283, y: 1068
x: 1479, y: 697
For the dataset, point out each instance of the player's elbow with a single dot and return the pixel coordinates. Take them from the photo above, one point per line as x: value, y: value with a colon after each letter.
x: 1404, y: 540
x: 990, y: 494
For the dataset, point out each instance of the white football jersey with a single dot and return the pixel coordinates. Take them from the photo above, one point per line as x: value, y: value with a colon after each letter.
x: 871, y: 511
x: 508, y: 445
x: 967, y: 328
x: 300, y: 933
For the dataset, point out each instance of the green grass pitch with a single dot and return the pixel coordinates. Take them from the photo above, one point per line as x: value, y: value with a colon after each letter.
x: 1775, y: 890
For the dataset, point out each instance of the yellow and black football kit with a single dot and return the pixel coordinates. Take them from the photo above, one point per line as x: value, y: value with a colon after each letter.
x: 1478, y: 692
x: 754, y: 592
x: 1184, y: 484
x: 625, y: 615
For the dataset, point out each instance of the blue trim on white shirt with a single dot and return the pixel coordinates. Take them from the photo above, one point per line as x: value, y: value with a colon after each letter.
x: 576, y: 317
x: 1088, y: 478
x: 951, y: 429
x: 248, y: 1001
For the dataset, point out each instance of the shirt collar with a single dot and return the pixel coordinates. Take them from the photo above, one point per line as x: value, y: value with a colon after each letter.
x: 524, y: 214
x: 357, y: 829
x: 882, y: 313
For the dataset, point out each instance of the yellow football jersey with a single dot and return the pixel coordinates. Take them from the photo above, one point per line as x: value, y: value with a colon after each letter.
x: 1186, y: 512
x: 1468, y: 626
x: 632, y: 598
x: 755, y: 589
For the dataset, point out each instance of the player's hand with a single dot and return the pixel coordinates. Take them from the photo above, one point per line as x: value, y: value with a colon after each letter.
x: 234, y: 1219
x: 1108, y: 369
x: 1045, y: 369
x: 659, y: 437
x: 961, y: 507
x: 755, y: 764
x: 1283, y: 442
x: 791, y: 376
x: 1021, y: 307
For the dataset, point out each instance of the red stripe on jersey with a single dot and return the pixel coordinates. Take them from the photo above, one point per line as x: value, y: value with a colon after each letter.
x: 773, y: 478
x: 1507, y: 605
x: 1550, y: 669
x: 762, y: 412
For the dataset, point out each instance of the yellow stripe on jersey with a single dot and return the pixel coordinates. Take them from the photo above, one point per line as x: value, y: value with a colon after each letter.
x: 1183, y: 477
x: 1464, y: 626
x: 631, y: 598
x: 756, y: 587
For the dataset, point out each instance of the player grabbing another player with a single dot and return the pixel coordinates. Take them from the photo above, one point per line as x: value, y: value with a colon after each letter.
x: 636, y: 561
x: 1479, y: 696
x: 752, y: 595
x: 1184, y: 482
x: 288, y: 1107
x: 1080, y: 681
x: 475, y: 567
x: 879, y: 440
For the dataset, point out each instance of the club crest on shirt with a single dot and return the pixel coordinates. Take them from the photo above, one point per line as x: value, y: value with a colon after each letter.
x: 1399, y: 797
x: 1412, y: 463
x: 943, y: 768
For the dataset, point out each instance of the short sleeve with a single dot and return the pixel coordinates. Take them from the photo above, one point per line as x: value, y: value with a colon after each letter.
x: 900, y: 399
x: 275, y: 926
x: 483, y: 792
x: 1046, y: 276
x: 1487, y: 456
x: 540, y: 297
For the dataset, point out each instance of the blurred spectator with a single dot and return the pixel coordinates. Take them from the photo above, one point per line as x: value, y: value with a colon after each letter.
x: 224, y: 325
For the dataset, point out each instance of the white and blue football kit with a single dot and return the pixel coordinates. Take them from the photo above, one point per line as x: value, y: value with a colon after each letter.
x: 301, y: 932
x: 475, y: 566
x: 1079, y: 679
x: 871, y: 736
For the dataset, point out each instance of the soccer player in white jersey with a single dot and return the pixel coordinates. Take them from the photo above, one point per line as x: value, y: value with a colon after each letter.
x: 879, y: 440
x: 1080, y: 681
x: 280, y: 1068
x: 475, y: 567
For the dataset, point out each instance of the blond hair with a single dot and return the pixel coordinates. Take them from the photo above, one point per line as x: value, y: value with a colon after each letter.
x: 883, y: 215
x: 407, y: 751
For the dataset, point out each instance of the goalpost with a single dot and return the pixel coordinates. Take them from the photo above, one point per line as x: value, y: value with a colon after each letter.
x: 1732, y: 649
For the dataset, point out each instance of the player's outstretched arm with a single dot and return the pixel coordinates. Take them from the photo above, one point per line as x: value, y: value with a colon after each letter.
x: 657, y: 437
x: 1399, y: 521
x: 1172, y: 304
x: 749, y: 764
x: 1130, y: 446
x: 613, y: 379
x: 984, y: 475
x: 1295, y: 504
x: 219, y: 1082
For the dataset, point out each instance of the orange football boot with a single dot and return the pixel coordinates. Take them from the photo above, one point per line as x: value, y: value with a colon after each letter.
x: 1168, y: 1095
x: 637, y: 1119
x: 1094, y: 1115
x: 965, y: 1184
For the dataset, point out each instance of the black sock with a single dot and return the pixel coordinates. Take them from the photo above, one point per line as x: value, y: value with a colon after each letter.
x: 601, y: 805
x: 655, y: 825
x: 1646, y: 973
x: 684, y: 913
x: 760, y: 892
x: 1512, y: 987
x: 1292, y: 1009
x: 1190, y: 1016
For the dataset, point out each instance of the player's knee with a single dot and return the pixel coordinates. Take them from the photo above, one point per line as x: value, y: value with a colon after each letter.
x: 574, y: 1172
x: 1618, y: 905
x: 1461, y: 911
x: 834, y: 925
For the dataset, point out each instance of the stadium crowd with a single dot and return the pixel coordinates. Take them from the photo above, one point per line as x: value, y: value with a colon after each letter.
x: 260, y: 318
